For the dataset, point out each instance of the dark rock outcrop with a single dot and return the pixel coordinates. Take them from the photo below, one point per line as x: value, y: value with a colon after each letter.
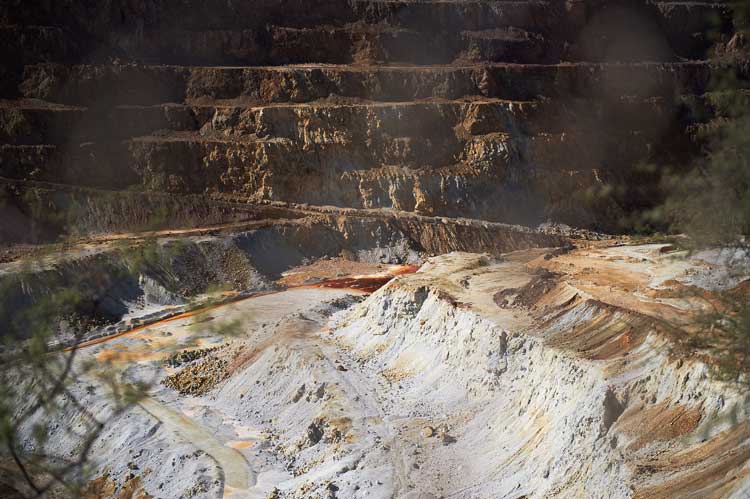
x: 512, y: 111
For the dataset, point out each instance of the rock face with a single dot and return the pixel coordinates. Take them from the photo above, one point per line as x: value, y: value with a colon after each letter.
x: 116, y: 280
x: 515, y: 112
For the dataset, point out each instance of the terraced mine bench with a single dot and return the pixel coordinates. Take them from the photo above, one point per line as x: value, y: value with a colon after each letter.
x: 501, y: 110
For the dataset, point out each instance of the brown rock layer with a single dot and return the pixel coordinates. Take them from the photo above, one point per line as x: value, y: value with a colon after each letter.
x: 512, y: 111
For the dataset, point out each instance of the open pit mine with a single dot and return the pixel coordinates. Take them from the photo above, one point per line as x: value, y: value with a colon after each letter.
x: 349, y: 249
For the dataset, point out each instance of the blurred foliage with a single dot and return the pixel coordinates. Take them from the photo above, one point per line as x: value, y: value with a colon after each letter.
x: 38, y: 400
x: 711, y: 201
x: 46, y: 393
x: 728, y: 326
x: 719, y: 331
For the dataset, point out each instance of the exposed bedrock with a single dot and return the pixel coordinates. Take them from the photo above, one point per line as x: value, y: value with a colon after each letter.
x: 507, y: 111
x: 119, y: 278
x: 153, y: 84
x: 341, y: 32
x: 39, y: 213
x: 487, y: 158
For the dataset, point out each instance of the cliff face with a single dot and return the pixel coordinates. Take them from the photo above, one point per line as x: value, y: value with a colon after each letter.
x: 129, y: 275
x: 505, y: 111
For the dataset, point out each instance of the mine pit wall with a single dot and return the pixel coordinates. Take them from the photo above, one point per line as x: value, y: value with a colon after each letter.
x: 39, y: 213
x: 257, y: 101
x: 139, y: 85
x: 548, y: 421
x: 522, y: 161
x: 130, y: 281
x: 131, y: 278
x: 495, y: 160
x: 289, y: 32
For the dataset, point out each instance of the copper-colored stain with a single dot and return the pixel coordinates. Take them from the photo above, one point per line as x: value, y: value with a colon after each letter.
x: 104, y: 486
x: 707, y: 470
x: 408, y: 269
x: 367, y: 284
x: 659, y: 422
x: 240, y: 444
x: 364, y: 284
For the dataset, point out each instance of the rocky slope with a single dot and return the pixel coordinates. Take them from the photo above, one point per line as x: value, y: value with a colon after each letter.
x: 123, y: 275
x: 529, y: 374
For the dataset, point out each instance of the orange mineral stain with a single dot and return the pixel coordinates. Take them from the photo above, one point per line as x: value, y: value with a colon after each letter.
x: 365, y: 284
x: 240, y: 444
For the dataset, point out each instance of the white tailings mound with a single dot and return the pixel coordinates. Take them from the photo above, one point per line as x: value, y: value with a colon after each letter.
x: 473, y: 378
x: 569, y: 397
